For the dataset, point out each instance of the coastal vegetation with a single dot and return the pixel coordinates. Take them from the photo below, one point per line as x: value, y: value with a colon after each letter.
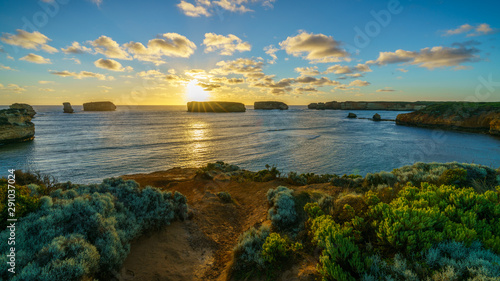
x: 80, y: 232
x: 427, y: 221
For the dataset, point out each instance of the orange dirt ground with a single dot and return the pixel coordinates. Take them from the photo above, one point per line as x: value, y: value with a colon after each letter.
x: 200, y: 248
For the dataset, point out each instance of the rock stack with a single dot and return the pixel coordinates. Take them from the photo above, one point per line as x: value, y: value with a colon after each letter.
x: 67, y: 107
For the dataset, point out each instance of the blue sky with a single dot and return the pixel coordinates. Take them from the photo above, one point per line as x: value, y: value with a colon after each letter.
x: 170, y: 52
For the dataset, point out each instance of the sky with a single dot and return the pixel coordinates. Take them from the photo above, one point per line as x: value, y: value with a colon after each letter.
x: 168, y: 52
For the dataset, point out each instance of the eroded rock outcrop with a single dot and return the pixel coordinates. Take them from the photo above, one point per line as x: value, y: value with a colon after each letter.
x: 352, y: 115
x: 477, y: 117
x: 29, y: 109
x: 267, y: 105
x: 377, y: 117
x: 16, y: 125
x: 99, y: 106
x: 67, y: 107
x: 215, y: 106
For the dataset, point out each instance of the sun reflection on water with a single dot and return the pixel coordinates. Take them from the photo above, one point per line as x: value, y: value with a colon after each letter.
x: 199, y: 149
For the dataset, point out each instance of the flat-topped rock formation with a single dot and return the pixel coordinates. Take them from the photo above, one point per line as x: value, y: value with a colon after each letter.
x: 215, y: 106
x: 477, y: 117
x: 29, y: 109
x: 267, y: 105
x: 67, y: 107
x: 16, y: 125
x: 99, y: 106
x: 375, y: 105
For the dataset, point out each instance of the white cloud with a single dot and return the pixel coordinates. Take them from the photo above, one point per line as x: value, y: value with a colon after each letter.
x: 4, y: 67
x: 480, y: 29
x: 12, y: 88
x: 108, y: 47
x: 196, y: 8
x: 430, y: 58
x: 76, y: 48
x: 46, y: 82
x: 271, y: 51
x: 169, y: 44
x: 109, y: 64
x: 226, y: 45
x: 359, y: 83
x: 193, y: 11
x: 82, y: 74
x: 36, y: 59
x: 27, y: 40
x: 317, y: 48
x: 307, y: 71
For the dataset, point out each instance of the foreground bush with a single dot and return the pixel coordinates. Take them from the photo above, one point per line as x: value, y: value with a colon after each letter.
x: 86, y: 231
x: 282, y: 211
x: 428, y: 231
x: 248, y: 258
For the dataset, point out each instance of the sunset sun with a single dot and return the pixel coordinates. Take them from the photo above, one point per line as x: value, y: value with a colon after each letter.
x: 195, y: 92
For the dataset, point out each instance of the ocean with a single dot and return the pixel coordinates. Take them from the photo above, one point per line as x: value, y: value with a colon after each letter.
x: 86, y: 147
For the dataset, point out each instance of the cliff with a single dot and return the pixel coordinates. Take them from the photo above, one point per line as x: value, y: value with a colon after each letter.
x: 266, y: 105
x: 376, y: 105
x: 215, y: 106
x: 99, y: 106
x: 16, y: 125
x: 476, y: 117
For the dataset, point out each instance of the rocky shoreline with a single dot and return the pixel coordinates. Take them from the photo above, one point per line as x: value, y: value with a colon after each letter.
x: 472, y: 117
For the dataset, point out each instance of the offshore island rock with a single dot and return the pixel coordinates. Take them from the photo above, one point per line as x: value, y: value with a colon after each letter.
x: 267, y: 105
x: 67, y: 107
x: 99, y: 106
x: 215, y: 106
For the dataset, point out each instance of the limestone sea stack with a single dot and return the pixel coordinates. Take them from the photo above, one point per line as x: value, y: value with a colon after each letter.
x: 476, y: 117
x: 67, y: 107
x: 215, y: 106
x: 268, y: 105
x: 16, y: 125
x: 377, y: 117
x: 352, y: 115
x: 29, y: 109
x: 99, y: 106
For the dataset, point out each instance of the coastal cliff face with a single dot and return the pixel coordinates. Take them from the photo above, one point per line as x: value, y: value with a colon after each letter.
x: 99, y: 106
x: 361, y: 105
x: 267, y: 105
x: 16, y: 125
x: 479, y: 117
x: 215, y: 106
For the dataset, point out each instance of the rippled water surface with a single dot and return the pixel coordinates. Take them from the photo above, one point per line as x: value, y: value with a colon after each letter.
x: 89, y: 146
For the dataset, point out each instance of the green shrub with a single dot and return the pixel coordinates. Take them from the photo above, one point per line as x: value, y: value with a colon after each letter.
x: 277, y: 248
x: 444, y: 261
x: 248, y: 259
x: 341, y: 258
x: 421, y: 217
x: 26, y: 201
x: 282, y: 211
x: 225, y: 197
x: 456, y: 177
x: 105, y: 217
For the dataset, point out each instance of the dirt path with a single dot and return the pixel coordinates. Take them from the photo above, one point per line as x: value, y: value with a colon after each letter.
x: 201, y: 247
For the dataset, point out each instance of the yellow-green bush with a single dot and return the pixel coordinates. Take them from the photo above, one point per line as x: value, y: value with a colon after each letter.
x: 421, y: 217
